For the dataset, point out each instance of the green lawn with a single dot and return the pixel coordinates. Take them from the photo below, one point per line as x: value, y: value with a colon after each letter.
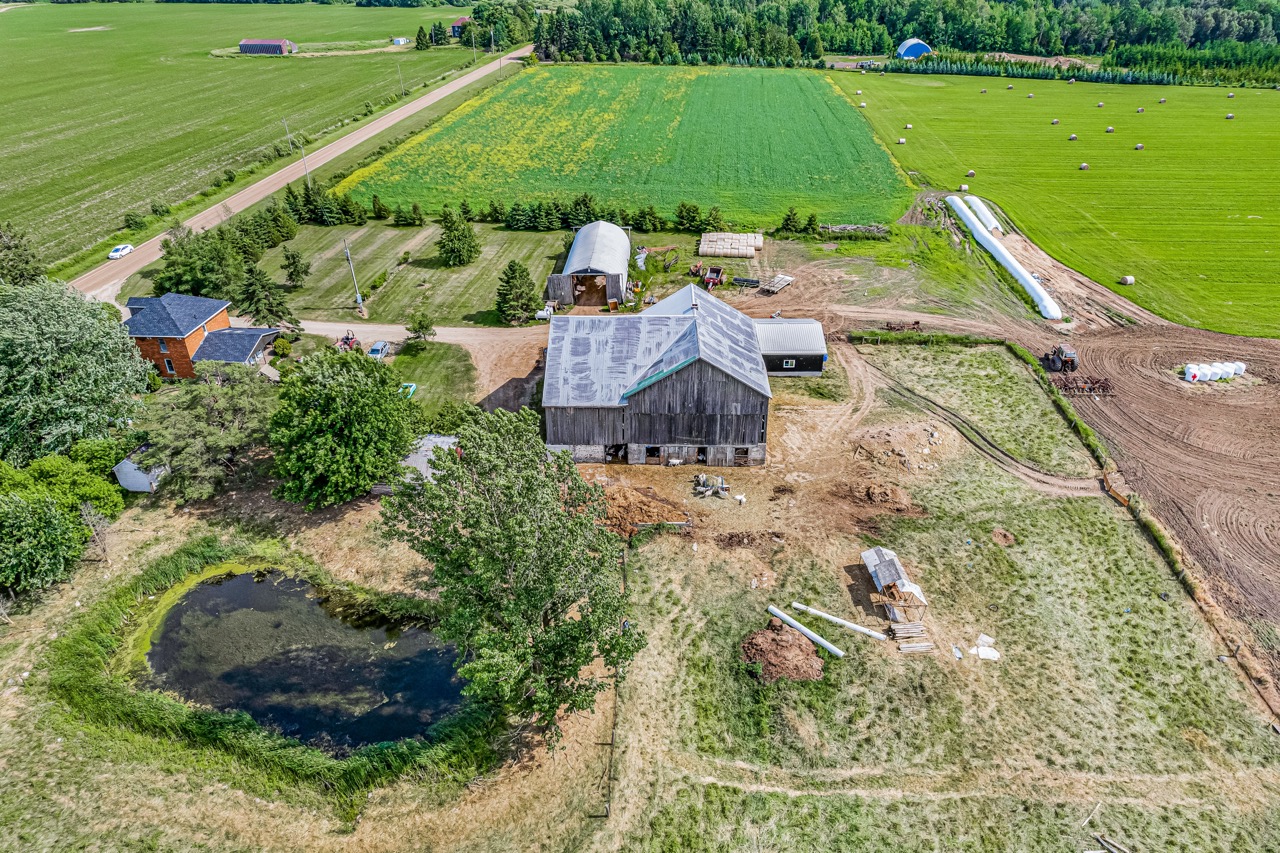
x: 442, y: 372
x: 1193, y: 217
x: 752, y: 141
x: 133, y: 108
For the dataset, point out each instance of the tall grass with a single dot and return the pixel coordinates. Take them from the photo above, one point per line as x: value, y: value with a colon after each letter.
x: 80, y: 675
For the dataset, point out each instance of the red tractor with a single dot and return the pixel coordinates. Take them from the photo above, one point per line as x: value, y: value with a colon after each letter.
x: 347, y: 342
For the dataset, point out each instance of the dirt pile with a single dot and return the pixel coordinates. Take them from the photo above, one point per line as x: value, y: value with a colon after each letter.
x: 749, y: 538
x: 782, y: 652
x: 874, y: 497
x: 628, y: 508
x: 1003, y: 537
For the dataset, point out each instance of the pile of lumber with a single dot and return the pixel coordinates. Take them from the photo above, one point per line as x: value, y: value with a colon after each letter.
x: 923, y: 648
x: 912, y: 638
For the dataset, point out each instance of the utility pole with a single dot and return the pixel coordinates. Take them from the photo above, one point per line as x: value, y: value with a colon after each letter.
x: 401, y: 73
x: 288, y: 135
x: 351, y: 265
x: 473, y: 45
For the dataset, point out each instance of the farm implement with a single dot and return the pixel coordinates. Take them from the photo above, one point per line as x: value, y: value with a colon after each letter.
x: 1083, y: 386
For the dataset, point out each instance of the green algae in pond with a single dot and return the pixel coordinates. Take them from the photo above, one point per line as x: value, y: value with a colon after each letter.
x: 266, y: 644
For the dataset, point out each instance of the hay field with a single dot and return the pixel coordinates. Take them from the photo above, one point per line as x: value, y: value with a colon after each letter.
x: 1194, y: 216
x: 753, y: 141
x: 109, y: 107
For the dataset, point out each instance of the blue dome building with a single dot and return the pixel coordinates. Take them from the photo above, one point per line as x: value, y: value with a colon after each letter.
x: 913, y: 49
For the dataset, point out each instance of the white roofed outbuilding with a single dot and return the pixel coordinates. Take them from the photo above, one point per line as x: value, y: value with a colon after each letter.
x: 595, y: 270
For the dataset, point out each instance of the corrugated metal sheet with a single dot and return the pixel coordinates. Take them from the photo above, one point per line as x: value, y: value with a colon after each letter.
x: 779, y: 336
x: 599, y: 361
x: 599, y: 247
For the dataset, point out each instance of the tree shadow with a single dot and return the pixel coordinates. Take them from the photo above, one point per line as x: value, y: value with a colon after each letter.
x: 860, y: 588
x: 431, y: 262
x: 487, y: 317
x: 516, y: 392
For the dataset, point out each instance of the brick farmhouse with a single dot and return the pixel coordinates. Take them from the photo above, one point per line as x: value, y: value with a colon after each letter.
x: 174, y: 331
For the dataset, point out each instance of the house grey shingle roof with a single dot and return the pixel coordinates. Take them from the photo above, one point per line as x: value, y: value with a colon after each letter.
x: 233, y: 345
x: 170, y: 316
x: 599, y: 247
x: 780, y: 336
x: 600, y: 361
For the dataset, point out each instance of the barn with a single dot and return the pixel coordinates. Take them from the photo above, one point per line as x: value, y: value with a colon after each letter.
x: 270, y: 47
x: 912, y: 49
x: 792, y: 347
x: 595, y: 270
x: 457, y: 26
x: 682, y: 382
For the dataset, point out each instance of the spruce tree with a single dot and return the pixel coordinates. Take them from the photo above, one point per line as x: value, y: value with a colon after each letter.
x: 465, y: 211
x: 262, y: 299
x: 811, y: 225
x: 380, y: 209
x: 790, y: 222
x: 458, y: 244
x: 422, y: 41
x: 518, y: 295
x: 19, y: 263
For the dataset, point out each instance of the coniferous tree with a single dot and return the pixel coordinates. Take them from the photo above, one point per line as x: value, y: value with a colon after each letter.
x: 518, y: 296
x: 262, y: 299
x: 790, y: 222
x: 420, y: 42
x: 458, y: 244
x: 380, y: 209
x: 19, y: 263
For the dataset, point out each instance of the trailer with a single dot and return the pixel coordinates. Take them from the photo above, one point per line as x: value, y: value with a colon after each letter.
x: 713, y: 277
x: 776, y: 283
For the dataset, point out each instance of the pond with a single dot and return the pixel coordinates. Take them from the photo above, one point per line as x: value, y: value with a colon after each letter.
x: 271, y: 645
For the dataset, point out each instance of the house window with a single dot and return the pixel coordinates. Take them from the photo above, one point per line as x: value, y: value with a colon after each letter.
x: 163, y: 346
x: 168, y: 366
x: 788, y: 363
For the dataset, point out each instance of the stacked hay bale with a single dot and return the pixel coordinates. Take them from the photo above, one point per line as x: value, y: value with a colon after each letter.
x: 723, y: 244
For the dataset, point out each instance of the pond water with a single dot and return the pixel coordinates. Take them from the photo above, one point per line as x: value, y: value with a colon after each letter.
x: 270, y: 645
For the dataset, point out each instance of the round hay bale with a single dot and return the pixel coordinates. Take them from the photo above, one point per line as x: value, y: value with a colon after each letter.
x: 1162, y: 99
x: 1055, y: 121
x: 1142, y: 109
x: 1030, y: 95
x: 1071, y: 81
x: 1110, y: 129
x: 1099, y: 103
x: 901, y: 141
x: 863, y: 105
x: 964, y: 188
x: 1071, y: 138
x: 1231, y: 115
x: 983, y: 92
x: 908, y: 127
x: 1126, y: 279
x: 971, y: 173
x: 1231, y: 94
x: 863, y: 71
x: 881, y: 73
x: 1084, y: 167
x: 859, y: 92
x: 1010, y: 86
x: 1138, y: 147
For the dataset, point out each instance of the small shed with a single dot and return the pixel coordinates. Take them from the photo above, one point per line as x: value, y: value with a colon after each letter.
x: 133, y: 478
x: 902, y: 600
x: 399, y: 40
x: 913, y: 49
x: 419, y: 460
x: 269, y: 47
x: 792, y: 347
x: 595, y: 270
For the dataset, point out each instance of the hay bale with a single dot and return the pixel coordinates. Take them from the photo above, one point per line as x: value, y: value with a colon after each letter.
x: 1138, y: 147
x: 964, y: 188
x: 901, y: 141
x: 1010, y: 86
x: 1055, y: 121
x: 1142, y: 109
x: 983, y: 92
x: 908, y: 127
x: 1231, y: 94
x: 1162, y: 99
x: 1071, y: 81
x: 1126, y: 279
x: 1231, y: 115
x: 1084, y: 167
x: 1071, y: 138
x: 863, y: 105
x: 1029, y: 95
x: 859, y: 92
x: 1099, y: 103
x: 1111, y: 129
x: 970, y: 173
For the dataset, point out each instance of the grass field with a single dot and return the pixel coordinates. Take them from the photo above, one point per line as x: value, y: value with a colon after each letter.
x: 752, y: 141
x: 109, y: 107
x: 442, y: 372
x: 1193, y: 217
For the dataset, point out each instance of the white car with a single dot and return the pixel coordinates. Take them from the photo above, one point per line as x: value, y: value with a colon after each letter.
x: 120, y: 251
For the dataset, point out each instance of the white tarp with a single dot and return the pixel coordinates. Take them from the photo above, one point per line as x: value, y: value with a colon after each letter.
x: 1048, y: 307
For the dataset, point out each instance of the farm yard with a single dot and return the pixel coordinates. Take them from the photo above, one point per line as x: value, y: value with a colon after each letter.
x: 1192, y: 216
x: 751, y: 141
x: 153, y: 117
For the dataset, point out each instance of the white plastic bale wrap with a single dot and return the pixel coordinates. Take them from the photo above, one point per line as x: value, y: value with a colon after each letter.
x: 1048, y: 308
x: 1240, y: 365
x: 1192, y: 372
x: 983, y: 213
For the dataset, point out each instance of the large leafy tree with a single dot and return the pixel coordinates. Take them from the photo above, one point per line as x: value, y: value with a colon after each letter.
x: 68, y: 371
x: 529, y: 577
x: 19, y: 263
x: 342, y: 427
x: 296, y: 268
x: 211, y: 430
x: 39, y: 543
x: 262, y: 299
x: 518, y: 297
x: 458, y: 244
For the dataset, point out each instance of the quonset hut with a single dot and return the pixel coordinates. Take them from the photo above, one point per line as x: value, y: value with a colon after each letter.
x: 595, y: 271
x: 683, y: 381
x: 912, y: 49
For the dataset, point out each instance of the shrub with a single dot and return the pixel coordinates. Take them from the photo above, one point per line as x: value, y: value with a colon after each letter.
x: 282, y: 347
x: 134, y: 221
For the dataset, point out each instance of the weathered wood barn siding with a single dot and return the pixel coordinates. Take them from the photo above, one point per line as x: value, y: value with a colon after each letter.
x: 581, y: 425
x: 697, y: 405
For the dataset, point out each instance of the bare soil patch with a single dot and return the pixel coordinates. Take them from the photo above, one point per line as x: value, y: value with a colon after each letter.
x: 1003, y: 537
x: 782, y: 652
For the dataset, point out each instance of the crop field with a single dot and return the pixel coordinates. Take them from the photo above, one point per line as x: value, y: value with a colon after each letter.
x: 1193, y: 217
x: 752, y: 141
x: 110, y: 107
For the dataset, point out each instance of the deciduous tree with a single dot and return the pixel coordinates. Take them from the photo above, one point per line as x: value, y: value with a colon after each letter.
x: 342, y: 427
x: 296, y: 268
x: 421, y: 327
x: 39, y: 543
x: 528, y: 575
x: 211, y: 431
x: 67, y: 371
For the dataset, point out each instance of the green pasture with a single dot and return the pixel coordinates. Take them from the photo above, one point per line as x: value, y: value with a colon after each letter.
x: 110, y: 107
x: 1194, y: 217
x: 752, y: 141
x: 442, y: 372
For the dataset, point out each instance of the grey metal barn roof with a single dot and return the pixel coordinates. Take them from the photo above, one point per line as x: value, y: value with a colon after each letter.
x: 600, y: 361
x: 233, y: 345
x: 791, y: 337
x: 599, y: 247
x: 173, y: 315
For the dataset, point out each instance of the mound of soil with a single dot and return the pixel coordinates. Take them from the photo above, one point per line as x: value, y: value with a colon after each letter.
x: 629, y: 508
x: 886, y: 493
x: 749, y: 539
x: 880, y: 497
x: 782, y: 652
x: 1003, y: 537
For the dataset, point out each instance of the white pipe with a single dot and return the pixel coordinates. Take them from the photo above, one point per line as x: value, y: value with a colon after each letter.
x: 773, y: 611
x: 985, y: 216
x: 1048, y: 307
x: 838, y: 621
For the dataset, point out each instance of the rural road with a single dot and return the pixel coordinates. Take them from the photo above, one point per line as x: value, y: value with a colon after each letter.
x: 104, y: 282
